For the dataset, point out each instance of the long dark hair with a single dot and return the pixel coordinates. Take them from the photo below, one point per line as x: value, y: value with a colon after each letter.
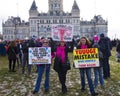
x: 87, y: 41
x: 12, y: 44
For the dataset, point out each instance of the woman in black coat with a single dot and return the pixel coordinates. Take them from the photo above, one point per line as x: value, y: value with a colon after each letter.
x: 60, y: 64
x: 12, y: 55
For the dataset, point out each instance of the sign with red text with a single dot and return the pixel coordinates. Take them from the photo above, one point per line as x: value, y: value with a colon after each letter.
x: 84, y: 58
x: 39, y: 55
x: 62, y: 32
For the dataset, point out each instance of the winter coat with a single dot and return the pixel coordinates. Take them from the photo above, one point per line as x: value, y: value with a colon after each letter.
x: 105, y: 47
x: 59, y: 63
x: 96, y: 45
x: 12, y: 52
x: 25, y: 47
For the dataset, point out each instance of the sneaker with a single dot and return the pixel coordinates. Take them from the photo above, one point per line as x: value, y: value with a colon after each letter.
x: 82, y: 89
x: 46, y: 90
x: 34, y: 92
x: 103, y: 86
x: 64, y: 90
x: 105, y: 78
x: 13, y: 71
x: 94, y: 94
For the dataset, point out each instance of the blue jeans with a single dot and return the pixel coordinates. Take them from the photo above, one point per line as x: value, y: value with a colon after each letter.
x: 41, y: 70
x: 98, y: 73
x: 88, y: 74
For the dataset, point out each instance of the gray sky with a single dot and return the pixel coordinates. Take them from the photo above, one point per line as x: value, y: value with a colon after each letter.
x: 108, y: 9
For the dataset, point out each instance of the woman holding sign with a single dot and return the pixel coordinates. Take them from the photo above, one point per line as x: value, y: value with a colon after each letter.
x: 60, y: 64
x: 84, y: 43
x: 41, y: 69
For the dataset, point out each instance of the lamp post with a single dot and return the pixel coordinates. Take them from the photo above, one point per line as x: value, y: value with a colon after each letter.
x: 94, y: 28
x: 45, y: 35
x: 38, y: 29
x: 15, y: 32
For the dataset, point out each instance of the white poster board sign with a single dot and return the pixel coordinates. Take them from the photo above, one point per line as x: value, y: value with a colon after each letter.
x: 39, y: 55
x: 62, y: 32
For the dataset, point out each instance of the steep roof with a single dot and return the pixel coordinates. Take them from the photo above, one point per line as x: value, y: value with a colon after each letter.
x: 75, y: 6
x: 33, y: 6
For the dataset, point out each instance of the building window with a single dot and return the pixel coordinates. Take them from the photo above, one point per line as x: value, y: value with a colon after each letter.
x: 40, y: 21
x: 81, y: 30
x: 86, y: 29
x: 31, y: 22
x: 34, y: 21
x: 51, y: 6
x: 61, y: 21
x: 33, y: 29
x: 5, y: 37
x: 68, y: 21
x: 55, y: 4
x: 11, y: 37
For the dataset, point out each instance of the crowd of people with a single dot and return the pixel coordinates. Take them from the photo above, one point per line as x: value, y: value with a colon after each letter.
x: 17, y: 52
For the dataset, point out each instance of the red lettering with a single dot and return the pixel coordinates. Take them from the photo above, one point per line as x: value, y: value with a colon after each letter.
x: 86, y: 51
x: 82, y: 66
x: 91, y: 65
x: 76, y: 51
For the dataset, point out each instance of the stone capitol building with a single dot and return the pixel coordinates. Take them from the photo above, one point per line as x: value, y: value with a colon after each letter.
x: 39, y: 24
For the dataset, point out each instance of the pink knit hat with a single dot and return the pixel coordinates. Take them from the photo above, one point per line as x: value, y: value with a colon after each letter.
x: 96, y: 38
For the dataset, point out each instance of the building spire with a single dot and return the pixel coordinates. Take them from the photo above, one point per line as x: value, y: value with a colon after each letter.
x: 33, y: 6
x: 75, y: 6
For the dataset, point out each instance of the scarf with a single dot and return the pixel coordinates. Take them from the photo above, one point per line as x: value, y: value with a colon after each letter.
x: 60, y: 52
x: 83, y: 46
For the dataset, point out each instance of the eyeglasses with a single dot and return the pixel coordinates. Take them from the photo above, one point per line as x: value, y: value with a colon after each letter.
x: 45, y: 42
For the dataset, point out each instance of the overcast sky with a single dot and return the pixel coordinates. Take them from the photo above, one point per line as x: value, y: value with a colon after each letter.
x: 108, y: 9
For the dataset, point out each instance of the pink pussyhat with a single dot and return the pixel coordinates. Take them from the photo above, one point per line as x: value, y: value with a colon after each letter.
x: 96, y: 38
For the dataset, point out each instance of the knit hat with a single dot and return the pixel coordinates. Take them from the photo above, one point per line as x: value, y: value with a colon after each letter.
x: 96, y: 38
x: 102, y: 35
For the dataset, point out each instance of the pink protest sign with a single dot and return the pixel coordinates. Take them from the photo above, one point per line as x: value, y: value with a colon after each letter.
x: 62, y: 32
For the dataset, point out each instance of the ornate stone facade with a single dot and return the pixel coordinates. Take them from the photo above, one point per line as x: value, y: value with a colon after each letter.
x: 39, y: 24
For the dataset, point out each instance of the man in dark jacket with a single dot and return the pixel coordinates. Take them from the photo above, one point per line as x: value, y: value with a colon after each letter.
x: 118, y: 51
x: 105, y: 47
x: 25, y: 47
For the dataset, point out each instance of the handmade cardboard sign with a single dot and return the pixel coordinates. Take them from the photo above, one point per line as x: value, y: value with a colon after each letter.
x: 62, y: 32
x: 39, y: 55
x: 84, y: 58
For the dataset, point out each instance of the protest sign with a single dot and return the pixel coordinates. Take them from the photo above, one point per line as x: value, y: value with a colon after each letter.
x: 39, y: 55
x: 62, y: 32
x: 84, y: 58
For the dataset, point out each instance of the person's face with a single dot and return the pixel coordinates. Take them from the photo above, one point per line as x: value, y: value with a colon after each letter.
x: 45, y: 43
x: 83, y: 41
x: 62, y: 43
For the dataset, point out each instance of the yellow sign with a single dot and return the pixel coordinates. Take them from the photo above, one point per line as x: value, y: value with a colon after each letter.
x: 84, y: 58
